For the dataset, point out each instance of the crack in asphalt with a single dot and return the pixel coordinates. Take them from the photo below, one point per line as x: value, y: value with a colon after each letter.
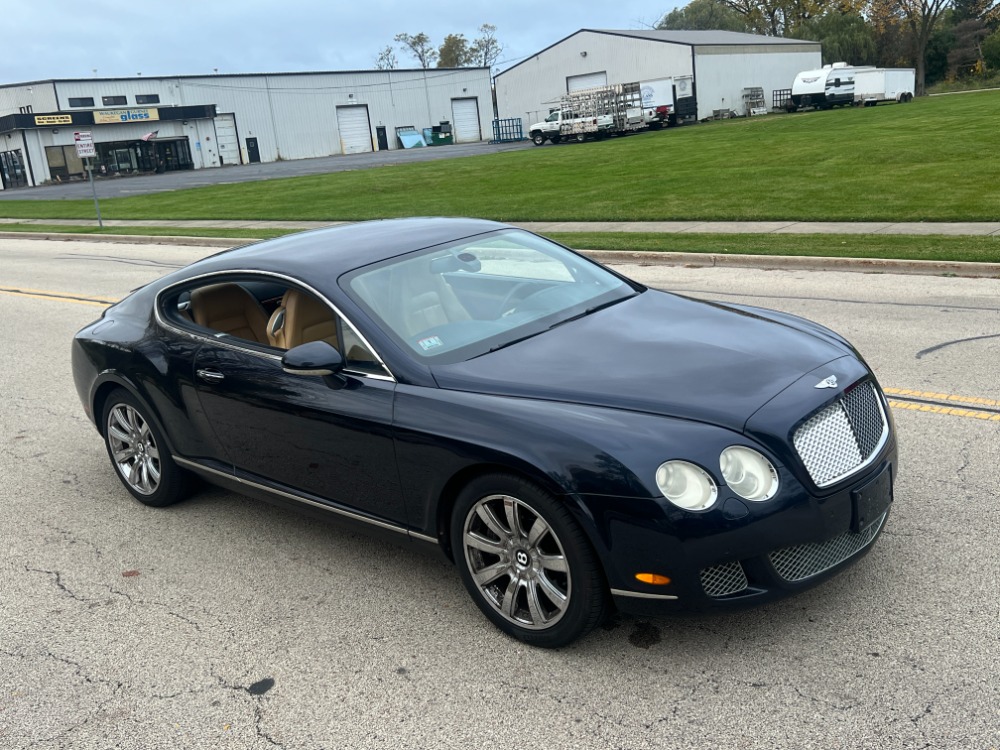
x: 824, y: 702
x: 922, y: 352
x: 113, y: 259
x: 883, y: 303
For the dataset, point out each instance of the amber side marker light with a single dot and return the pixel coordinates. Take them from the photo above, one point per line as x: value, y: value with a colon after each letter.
x: 653, y: 578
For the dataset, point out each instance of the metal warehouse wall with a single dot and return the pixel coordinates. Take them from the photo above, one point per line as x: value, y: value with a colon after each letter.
x: 39, y: 96
x: 524, y: 90
x: 721, y: 73
x: 294, y: 115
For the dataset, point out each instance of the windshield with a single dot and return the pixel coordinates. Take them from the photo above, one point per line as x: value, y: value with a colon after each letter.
x: 453, y: 302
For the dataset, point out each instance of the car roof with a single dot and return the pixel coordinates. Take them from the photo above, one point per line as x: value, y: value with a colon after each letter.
x: 325, y: 254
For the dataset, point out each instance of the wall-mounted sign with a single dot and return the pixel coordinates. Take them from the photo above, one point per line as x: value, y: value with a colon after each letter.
x: 109, y: 116
x: 53, y: 120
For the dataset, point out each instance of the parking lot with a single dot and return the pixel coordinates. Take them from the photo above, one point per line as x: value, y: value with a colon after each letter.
x: 224, y: 622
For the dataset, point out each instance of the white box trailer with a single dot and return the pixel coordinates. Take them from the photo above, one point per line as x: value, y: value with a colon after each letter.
x: 884, y: 85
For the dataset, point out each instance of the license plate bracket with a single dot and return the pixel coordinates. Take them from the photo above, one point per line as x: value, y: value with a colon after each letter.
x: 871, y: 501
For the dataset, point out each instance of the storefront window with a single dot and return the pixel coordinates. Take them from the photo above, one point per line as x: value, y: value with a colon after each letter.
x: 63, y: 162
x: 12, y: 172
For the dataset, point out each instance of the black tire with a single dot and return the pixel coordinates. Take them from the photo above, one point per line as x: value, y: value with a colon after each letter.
x: 139, y: 454
x: 522, y: 588
x: 555, y: 139
x: 538, y: 138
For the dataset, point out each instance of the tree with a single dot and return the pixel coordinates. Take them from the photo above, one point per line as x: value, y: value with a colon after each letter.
x: 418, y: 45
x: 845, y: 37
x: 454, y: 52
x: 386, y: 59
x: 786, y: 17
x: 918, y: 19
x: 486, y: 49
x: 991, y: 51
x: 707, y: 15
x: 965, y: 57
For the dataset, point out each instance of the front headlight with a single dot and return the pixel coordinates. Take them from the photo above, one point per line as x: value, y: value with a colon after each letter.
x: 748, y: 473
x: 686, y: 485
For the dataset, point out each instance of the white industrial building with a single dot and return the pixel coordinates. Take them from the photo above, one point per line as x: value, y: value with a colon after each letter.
x: 711, y: 69
x: 147, y: 124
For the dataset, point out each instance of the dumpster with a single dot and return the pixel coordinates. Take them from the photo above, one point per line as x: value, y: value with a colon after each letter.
x: 439, y: 135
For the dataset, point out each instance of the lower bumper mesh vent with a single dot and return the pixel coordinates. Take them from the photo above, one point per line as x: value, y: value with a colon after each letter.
x: 727, y: 578
x: 807, y: 560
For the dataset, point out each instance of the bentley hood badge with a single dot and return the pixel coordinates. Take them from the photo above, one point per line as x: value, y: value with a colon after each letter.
x: 830, y: 382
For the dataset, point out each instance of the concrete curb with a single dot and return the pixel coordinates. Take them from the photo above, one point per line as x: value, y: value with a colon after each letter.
x: 775, y: 262
x: 800, y: 263
x: 132, y: 239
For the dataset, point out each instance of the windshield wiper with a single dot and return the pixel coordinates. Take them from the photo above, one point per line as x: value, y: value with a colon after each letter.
x: 558, y: 323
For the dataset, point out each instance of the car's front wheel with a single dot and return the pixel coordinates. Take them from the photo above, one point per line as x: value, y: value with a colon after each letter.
x: 139, y: 454
x: 537, y: 138
x: 526, y: 562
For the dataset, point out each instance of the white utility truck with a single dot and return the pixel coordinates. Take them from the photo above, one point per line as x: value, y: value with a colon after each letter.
x: 606, y: 110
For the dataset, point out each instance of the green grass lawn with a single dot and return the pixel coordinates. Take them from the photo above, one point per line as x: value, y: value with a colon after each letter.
x: 903, y: 247
x: 936, y: 159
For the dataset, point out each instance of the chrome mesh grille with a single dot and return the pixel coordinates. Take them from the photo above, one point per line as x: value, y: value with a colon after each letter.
x: 842, y: 437
x: 807, y: 560
x: 727, y: 578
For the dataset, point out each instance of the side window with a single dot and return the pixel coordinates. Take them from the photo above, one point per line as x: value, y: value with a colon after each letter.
x: 268, y: 314
x: 227, y: 309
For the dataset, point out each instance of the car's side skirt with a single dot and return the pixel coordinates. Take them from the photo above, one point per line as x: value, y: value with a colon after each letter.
x: 641, y: 595
x: 210, y: 474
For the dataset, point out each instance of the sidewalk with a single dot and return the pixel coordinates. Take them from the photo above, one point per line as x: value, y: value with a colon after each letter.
x: 801, y: 263
x: 981, y: 229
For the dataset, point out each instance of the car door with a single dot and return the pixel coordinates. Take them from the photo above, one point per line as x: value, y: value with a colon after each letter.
x: 332, y: 440
x: 326, y: 437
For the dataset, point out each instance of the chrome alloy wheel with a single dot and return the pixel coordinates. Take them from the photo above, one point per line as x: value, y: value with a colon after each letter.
x: 133, y: 449
x: 517, y: 562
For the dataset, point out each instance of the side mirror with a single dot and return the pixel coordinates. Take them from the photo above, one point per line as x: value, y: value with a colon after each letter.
x: 314, y: 358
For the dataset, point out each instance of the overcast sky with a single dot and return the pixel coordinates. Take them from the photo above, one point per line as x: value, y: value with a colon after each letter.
x: 65, y: 39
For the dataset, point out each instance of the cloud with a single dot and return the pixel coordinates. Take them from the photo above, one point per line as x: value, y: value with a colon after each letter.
x: 56, y: 39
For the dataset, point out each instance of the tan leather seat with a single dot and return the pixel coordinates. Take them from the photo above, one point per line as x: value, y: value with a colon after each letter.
x: 231, y: 309
x: 301, y: 318
x: 420, y: 300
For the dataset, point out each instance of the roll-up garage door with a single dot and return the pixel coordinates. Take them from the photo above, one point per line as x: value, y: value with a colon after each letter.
x: 588, y: 81
x: 227, y: 140
x: 355, y: 132
x: 465, y: 117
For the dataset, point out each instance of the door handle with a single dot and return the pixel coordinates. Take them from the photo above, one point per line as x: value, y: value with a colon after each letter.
x: 212, y: 376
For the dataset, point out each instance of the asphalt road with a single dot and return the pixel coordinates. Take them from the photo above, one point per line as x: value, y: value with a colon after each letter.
x: 118, y: 187
x: 224, y: 622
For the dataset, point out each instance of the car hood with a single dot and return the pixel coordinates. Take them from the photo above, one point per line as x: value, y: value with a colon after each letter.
x: 657, y: 353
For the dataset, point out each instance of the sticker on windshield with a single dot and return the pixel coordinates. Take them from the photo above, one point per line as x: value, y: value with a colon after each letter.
x: 431, y: 342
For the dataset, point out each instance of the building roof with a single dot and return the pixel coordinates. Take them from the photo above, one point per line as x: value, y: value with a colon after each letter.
x: 189, y: 76
x: 699, y: 38
x: 689, y: 38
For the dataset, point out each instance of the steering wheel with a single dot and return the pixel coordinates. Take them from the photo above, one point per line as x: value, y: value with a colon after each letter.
x: 514, y: 297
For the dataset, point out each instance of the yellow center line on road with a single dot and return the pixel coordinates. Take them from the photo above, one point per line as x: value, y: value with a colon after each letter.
x: 950, y: 411
x: 934, y: 396
x: 59, y: 296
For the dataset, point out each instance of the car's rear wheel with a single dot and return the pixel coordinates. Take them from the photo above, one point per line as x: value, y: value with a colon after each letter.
x: 138, y: 452
x: 526, y: 562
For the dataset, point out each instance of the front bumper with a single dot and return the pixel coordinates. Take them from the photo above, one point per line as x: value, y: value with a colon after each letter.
x: 741, y: 554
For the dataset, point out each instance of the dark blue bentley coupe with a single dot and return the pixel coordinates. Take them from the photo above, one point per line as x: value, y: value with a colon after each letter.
x: 572, y: 440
